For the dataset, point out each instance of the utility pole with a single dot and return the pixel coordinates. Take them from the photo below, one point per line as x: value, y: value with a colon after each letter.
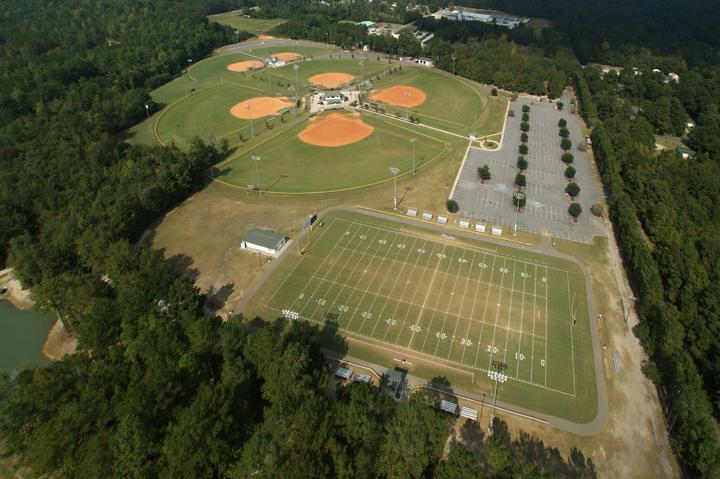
x: 518, y: 196
x: 394, y: 172
x: 498, y: 377
x: 412, y: 142
x: 256, y: 159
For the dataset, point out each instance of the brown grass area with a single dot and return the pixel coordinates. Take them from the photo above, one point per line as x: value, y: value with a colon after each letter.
x: 335, y: 130
x: 287, y: 56
x: 260, y: 107
x: 400, y: 95
x: 245, y: 66
x: 331, y: 80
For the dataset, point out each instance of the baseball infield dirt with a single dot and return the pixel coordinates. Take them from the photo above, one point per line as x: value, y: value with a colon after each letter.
x: 335, y: 130
x: 287, y: 56
x: 331, y: 80
x: 245, y: 66
x: 260, y: 107
x: 400, y: 95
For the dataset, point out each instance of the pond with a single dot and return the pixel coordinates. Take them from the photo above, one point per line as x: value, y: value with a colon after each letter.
x: 22, y: 335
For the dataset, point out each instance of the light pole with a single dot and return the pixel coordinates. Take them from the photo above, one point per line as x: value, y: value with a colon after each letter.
x: 407, y: 108
x: 498, y: 377
x: 362, y: 64
x: 296, y: 67
x: 147, y: 110
x: 252, y: 130
x: 185, y: 82
x: 394, y: 172
x: 256, y: 159
x: 453, y: 59
x: 518, y: 196
x: 412, y: 142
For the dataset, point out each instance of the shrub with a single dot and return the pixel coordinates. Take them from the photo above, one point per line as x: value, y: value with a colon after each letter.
x: 525, y: 117
x: 511, y: 113
x: 520, y: 180
x: 596, y: 209
x: 567, y: 158
x: 575, y: 209
x: 570, y: 172
x: 452, y: 206
x: 564, y: 132
x: 484, y: 172
x: 524, y: 137
x: 523, y: 149
x: 493, y: 92
x: 525, y: 126
x: 565, y: 144
x: 560, y: 105
x: 522, y: 163
x: 526, y: 108
x: 562, y: 123
x: 572, y: 189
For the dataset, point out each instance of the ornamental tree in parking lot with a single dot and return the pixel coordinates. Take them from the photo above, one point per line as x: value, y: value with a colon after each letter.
x: 565, y: 144
x: 575, y: 209
x: 567, y: 158
x: 523, y: 149
x: 572, y: 189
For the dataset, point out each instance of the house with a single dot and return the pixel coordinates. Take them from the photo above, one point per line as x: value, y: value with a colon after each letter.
x: 263, y: 241
x: 424, y: 61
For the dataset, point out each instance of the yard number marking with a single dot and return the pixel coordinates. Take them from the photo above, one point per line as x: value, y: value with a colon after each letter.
x: 415, y: 328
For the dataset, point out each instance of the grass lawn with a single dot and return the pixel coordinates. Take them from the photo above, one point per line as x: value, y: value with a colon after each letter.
x: 449, y: 306
x: 289, y: 165
x: 255, y: 26
x: 452, y: 103
x: 314, y: 67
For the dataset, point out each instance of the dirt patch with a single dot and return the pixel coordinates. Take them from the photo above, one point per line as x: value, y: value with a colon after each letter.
x: 335, y: 130
x: 265, y: 37
x: 59, y: 343
x: 287, y: 56
x: 260, y: 107
x: 331, y: 80
x: 245, y: 66
x: 400, y: 95
x: 14, y: 292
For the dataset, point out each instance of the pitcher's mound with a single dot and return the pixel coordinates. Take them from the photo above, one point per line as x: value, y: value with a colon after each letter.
x: 245, y: 66
x: 287, y: 56
x: 400, y: 95
x: 331, y: 80
x: 261, y: 106
x: 335, y: 130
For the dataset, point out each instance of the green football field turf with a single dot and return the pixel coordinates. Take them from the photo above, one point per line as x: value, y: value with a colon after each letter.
x: 459, y: 304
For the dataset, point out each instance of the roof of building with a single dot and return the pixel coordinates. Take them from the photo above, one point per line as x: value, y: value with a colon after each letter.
x: 684, y: 150
x: 367, y: 23
x: 425, y: 59
x: 264, y: 238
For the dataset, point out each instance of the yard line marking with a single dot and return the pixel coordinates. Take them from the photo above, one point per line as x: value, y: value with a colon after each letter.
x: 507, y: 335
x: 522, y: 314
x: 446, y: 274
x: 487, y: 300
x: 534, y: 314
x: 547, y: 281
x: 342, y: 288
x: 450, y: 301
x: 472, y: 309
x: 461, y: 302
x: 432, y: 280
x: 497, y: 315
x: 572, y: 346
x: 387, y: 299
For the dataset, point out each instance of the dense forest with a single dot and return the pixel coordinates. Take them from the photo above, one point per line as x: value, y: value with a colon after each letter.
x: 159, y: 388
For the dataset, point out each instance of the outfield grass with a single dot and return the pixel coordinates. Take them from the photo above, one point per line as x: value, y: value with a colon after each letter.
x: 289, y: 165
x: 345, y: 65
x: 453, y: 104
x: 255, y: 26
x: 447, y: 306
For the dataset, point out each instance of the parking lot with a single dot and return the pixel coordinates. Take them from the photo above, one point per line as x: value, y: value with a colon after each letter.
x: 547, y: 203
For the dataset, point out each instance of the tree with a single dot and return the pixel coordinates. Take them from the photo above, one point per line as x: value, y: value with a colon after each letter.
x: 523, y: 149
x: 459, y: 464
x: 575, y: 209
x: 565, y: 144
x: 522, y: 163
x: 524, y: 137
x: 572, y: 189
x: 525, y: 116
x: 525, y: 126
x: 484, y: 173
x: 562, y: 123
x: 560, y: 105
x: 526, y: 108
x: 452, y: 206
x: 570, y: 172
x: 564, y: 132
x: 519, y: 202
x: 520, y: 180
x: 494, y: 92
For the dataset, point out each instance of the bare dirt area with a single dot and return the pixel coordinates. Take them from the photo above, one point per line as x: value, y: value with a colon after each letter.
x: 59, y: 343
x: 400, y: 95
x: 335, y: 130
x: 331, y: 80
x: 287, y: 56
x: 260, y: 107
x: 245, y: 66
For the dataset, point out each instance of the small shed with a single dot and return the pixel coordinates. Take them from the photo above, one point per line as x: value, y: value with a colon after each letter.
x: 263, y: 241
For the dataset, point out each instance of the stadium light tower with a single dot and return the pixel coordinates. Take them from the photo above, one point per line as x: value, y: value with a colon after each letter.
x: 296, y: 67
x: 499, y: 377
x: 412, y: 142
x: 394, y: 172
x: 362, y: 65
x: 407, y: 109
x: 147, y: 110
x: 252, y: 130
x: 256, y: 160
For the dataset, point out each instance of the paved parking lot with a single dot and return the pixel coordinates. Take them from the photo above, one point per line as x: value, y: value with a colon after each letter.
x: 547, y: 203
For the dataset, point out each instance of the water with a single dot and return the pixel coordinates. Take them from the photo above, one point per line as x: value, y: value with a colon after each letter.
x: 22, y: 335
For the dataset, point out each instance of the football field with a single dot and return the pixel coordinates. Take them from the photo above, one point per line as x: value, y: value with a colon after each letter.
x: 458, y: 304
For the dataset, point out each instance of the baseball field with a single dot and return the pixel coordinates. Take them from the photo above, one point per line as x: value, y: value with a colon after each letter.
x: 444, y: 305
